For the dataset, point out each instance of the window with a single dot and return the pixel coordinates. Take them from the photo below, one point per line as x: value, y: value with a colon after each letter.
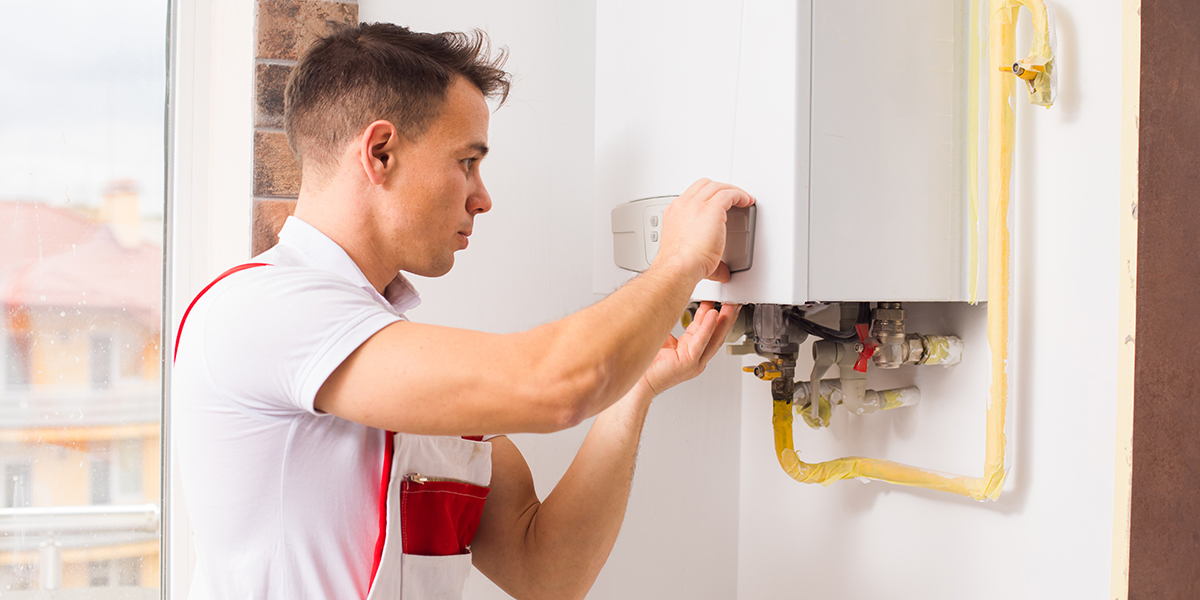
x: 122, y: 572
x: 82, y: 202
x: 127, y: 571
x: 17, y: 353
x: 16, y: 577
x: 17, y: 479
x: 101, y: 360
x: 131, y: 462
x: 99, y: 573
x: 101, y: 479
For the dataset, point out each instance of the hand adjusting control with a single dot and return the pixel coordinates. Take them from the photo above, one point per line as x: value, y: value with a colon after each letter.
x: 637, y: 228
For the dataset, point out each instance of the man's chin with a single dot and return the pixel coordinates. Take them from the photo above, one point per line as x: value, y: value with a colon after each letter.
x: 435, y: 270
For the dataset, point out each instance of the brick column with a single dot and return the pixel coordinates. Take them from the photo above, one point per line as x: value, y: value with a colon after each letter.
x: 284, y: 28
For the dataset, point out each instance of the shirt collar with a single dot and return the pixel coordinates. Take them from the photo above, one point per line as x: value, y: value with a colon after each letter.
x: 325, y: 254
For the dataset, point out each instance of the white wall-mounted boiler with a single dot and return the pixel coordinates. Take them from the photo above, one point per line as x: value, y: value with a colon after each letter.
x: 846, y: 119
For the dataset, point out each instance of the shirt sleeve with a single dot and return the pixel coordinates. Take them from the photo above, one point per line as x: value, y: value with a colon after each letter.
x: 272, y: 336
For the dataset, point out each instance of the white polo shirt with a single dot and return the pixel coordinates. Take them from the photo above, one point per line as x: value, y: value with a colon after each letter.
x: 283, y: 500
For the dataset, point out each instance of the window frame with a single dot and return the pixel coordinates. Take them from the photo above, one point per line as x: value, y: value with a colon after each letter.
x: 207, y: 220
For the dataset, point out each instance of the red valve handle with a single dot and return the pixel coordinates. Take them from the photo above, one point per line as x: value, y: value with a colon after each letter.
x: 868, y: 349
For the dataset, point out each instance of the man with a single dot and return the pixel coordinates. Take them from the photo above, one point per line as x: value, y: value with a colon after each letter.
x: 290, y: 376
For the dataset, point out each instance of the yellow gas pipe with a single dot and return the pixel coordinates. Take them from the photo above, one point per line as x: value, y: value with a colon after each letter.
x: 1001, y: 41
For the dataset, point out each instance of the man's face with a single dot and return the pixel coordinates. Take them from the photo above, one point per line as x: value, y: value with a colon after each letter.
x: 438, y: 186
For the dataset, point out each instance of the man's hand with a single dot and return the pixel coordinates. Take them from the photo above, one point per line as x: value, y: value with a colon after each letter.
x: 684, y: 358
x: 555, y: 549
x: 694, y: 227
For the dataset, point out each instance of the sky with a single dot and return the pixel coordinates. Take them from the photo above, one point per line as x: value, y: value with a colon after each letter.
x: 83, y: 100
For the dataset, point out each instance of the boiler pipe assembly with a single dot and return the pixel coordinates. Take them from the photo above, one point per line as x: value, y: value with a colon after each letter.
x: 1037, y: 71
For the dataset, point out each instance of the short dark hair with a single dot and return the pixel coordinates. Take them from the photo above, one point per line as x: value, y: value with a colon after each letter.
x: 359, y: 75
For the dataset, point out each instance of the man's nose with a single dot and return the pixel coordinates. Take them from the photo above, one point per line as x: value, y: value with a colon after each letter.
x: 480, y: 201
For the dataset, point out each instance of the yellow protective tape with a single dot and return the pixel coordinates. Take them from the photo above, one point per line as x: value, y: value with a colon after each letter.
x: 825, y: 473
x: 937, y: 351
x: 1001, y: 134
x: 1131, y: 60
x: 892, y: 399
x: 1040, y: 52
x: 824, y: 412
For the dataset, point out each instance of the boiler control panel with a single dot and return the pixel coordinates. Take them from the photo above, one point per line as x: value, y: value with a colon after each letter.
x: 637, y: 227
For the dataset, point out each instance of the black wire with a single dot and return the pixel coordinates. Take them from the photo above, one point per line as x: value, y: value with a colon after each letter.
x: 864, y: 314
x: 821, y: 331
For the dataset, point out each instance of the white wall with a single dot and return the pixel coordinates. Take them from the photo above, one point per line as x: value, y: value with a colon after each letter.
x: 1049, y: 535
x: 712, y: 515
x: 530, y: 262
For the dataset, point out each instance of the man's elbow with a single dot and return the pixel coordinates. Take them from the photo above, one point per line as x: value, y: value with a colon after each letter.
x: 565, y: 417
x: 579, y: 394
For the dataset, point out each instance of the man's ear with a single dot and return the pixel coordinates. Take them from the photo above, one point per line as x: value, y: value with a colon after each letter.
x: 378, y: 146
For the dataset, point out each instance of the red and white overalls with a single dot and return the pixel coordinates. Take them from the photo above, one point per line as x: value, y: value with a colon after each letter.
x: 431, y: 495
x: 434, y: 500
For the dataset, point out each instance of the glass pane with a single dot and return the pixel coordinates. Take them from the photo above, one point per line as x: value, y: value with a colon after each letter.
x: 81, y: 207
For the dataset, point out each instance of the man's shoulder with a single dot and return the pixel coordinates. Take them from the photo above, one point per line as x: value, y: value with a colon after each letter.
x: 268, y: 279
x: 273, y: 299
x: 266, y: 328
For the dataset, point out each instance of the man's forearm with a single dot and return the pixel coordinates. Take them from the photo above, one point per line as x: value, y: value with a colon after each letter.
x: 622, y: 333
x: 573, y: 532
x: 546, y: 379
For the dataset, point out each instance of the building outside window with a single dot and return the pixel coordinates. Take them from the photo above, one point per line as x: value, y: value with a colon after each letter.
x: 101, y: 475
x: 101, y: 356
x: 82, y: 171
x: 17, y: 479
x: 16, y: 354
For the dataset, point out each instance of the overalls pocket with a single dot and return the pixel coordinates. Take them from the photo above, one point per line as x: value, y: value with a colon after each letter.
x: 433, y: 504
x: 438, y: 515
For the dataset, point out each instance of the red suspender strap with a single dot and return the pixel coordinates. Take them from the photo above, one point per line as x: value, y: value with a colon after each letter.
x: 179, y: 334
x: 384, y: 482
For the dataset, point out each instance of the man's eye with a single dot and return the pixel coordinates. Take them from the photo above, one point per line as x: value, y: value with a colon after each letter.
x: 469, y: 162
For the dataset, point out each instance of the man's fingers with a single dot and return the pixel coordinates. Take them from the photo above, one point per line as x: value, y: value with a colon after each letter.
x: 697, y: 323
x: 733, y: 196
x: 696, y: 187
x: 711, y: 189
x: 704, y: 333
x: 702, y: 339
x: 706, y: 190
x: 726, y: 318
x: 703, y: 309
x: 693, y: 224
x: 726, y: 195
